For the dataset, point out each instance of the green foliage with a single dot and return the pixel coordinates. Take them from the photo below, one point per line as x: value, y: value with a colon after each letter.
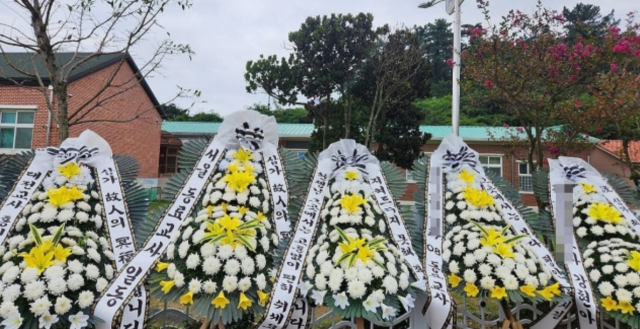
x: 174, y: 113
x: 585, y: 21
x: 436, y: 40
x: 283, y: 115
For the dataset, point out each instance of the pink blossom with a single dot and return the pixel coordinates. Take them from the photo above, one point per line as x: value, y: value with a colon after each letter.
x: 614, y: 67
x: 477, y: 31
x: 545, y: 162
x: 450, y: 62
x: 586, y: 135
x: 554, y: 150
x: 506, y: 125
x: 520, y: 130
x: 577, y: 103
x: 489, y: 84
x: 615, y: 31
x: 599, y: 129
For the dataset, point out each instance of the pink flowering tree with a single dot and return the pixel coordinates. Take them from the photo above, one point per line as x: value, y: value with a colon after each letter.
x: 524, y: 65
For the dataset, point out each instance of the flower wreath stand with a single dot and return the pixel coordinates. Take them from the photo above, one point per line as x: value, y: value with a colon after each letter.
x: 351, y: 249
x: 603, y: 243
x: 59, y: 224
x: 477, y: 243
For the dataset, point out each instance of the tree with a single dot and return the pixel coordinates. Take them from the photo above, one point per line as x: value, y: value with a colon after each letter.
x: 327, y: 52
x: 526, y: 67
x: 283, y: 115
x: 437, y: 39
x: 172, y: 111
x: 584, y: 21
x: 104, y: 27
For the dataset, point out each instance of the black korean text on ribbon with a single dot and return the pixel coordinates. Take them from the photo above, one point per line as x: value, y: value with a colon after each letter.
x: 574, y: 171
x: 71, y: 153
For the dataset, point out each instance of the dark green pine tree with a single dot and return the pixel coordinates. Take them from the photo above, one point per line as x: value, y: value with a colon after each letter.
x: 436, y: 40
x: 585, y: 21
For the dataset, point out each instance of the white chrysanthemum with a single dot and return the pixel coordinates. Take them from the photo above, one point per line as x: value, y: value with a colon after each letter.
x: 510, y: 282
x: 390, y: 284
x: 225, y: 251
x: 582, y: 231
x: 606, y: 288
x: 597, y: 230
x: 7, y: 308
x: 92, y: 272
x: 193, y: 261
x: 487, y: 282
x: 211, y: 265
x: 248, y: 266
x: 75, y: 282
x: 480, y: 254
x: 57, y: 286
x: 623, y: 295
x: 232, y: 267
x: 532, y: 281
x: 11, y: 293
x: 335, y: 279
x: 66, y: 215
x: 210, y: 287
x: 85, y: 299
x: 494, y: 259
x: 469, y: 260
x: 195, y: 285
x: 34, y: 289
x: 244, y: 284
x: 48, y: 214
x: 183, y: 249
x: 101, y: 284
x: 178, y: 279
x: 171, y: 250
x: 29, y: 274
x: 634, y: 278
x: 470, y: 276
x: 11, y: 274
x: 230, y: 283
x: 453, y: 267
x: 40, y: 306
x: 93, y: 254
x: 63, y: 305
x: 485, y: 269
x: 108, y: 270
x: 622, y: 267
x: 607, y: 269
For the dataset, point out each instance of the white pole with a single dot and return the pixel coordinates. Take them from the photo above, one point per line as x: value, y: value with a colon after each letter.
x: 455, y: 110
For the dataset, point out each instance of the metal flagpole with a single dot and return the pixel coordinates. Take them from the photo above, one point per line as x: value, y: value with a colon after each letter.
x: 455, y: 105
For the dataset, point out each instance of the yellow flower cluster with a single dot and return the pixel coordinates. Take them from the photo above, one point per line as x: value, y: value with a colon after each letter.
x: 62, y: 195
x: 478, y: 198
x: 69, y: 170
x: 501, y: 292
x: 240, y: 173
x: 46, y: 253
x: 352, y: 202
x: 604, y: 212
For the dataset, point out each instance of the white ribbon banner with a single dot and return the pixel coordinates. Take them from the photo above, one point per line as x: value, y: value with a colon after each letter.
x: 278, y: 186
x: 121, y: 236
x: 438, y: 310
x: 22, y: 191
x: 586, y: 304
x: 396, y: 224
x: 125, y: 284
x: 280, y: 306
x: 514, y: 218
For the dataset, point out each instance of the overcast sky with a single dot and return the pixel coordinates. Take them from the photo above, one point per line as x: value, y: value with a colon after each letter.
x: 225, y: 34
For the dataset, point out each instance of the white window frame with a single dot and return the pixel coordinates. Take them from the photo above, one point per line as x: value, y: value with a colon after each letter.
x: 18, y: 109
x: 530, y: 174
x: 492, y: 155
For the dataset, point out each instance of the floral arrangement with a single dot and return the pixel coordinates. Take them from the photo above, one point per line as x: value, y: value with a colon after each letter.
x: 219, y: 261
x: 57, y: 259
x: 484, y: 256
x: 352, y: 267
x: 611, y: 253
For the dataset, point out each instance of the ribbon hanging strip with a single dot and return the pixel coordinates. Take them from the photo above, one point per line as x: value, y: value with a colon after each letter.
x: 22, y: 191
x: 124, y: 286
x: 586, y: 304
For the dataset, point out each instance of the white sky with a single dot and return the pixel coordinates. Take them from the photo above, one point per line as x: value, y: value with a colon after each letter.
x: 226, y: 34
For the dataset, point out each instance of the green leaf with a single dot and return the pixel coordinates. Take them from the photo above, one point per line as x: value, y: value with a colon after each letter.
x: 342, y: 258
x: 342, y: 234
x: 58, y: 235
x: 36, y: 235
x: 245, y: 242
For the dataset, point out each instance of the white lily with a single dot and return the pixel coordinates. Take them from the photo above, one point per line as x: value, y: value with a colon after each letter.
x: 14, y: 321
x: 341, y: 300
x: 318, y: 296
x: 79, y: 320
x: 407, y: 302
x: 304, y: 287
x: 47, y: 320
x: 387, y: 311
x: 371, y: 305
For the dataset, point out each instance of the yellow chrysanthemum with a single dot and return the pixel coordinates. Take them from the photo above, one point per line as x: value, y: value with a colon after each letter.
x: 264, y: 297
x: 454, y: 280
x: 220, y: 301
x: 167, y: 285
x: 471, y: 290
x: 609, y: 304
x: 239, y: 180
x: 352, y: 203
x: 604, y: 212
x: 633, y: 260
x: 498, y: 292
x: 187, y: 298
x: 478, y: 198
x: 62, y: 195
x: 626, y: 308
x: 528, y: 290
x: 588, y: 188
x: 351, y: 174
x: 244, y: 302
x: 69, y: 170
x: 467, y: 176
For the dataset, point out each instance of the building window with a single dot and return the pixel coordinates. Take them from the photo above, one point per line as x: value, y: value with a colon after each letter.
x: 409, y: 176
x: 16, y: 129
x: 526, y: 180
x: 492, y: 163
x: 300, y: 145
x: 168, y: 159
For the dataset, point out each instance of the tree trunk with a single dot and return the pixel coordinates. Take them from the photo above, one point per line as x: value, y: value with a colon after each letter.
x: 372, y: 115
x: 63, y: 112
x: 324, y: 132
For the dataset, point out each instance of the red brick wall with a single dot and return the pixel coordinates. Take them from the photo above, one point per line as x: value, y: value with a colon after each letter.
x: 139, y: 137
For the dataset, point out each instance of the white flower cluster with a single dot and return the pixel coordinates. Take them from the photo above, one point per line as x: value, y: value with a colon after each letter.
x: 225, y: 249
x: 56, y: 277
x: 342, y: 268
x: 484, y: 256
